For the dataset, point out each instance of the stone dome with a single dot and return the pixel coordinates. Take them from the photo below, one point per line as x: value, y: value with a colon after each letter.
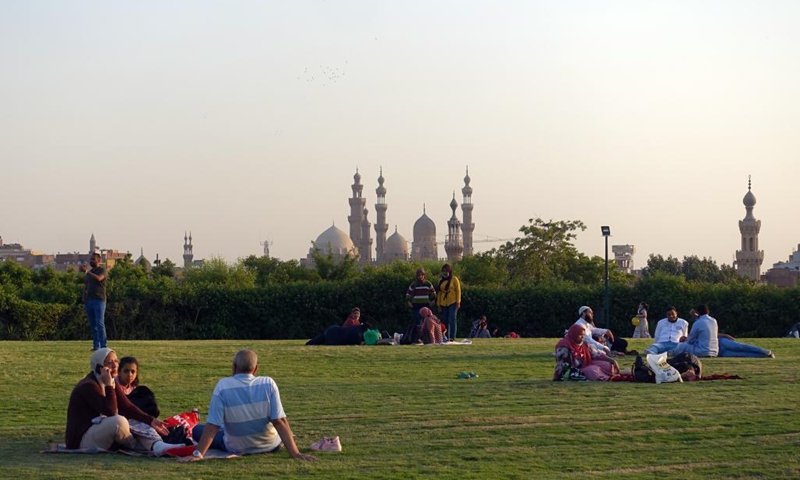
x: 334, y: 240
x: 749, y: 199
x: 424, y: 228
x: 396, y: 246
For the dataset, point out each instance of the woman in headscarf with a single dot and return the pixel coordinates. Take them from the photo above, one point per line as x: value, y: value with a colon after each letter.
x: 431, y: 327
x: 354, y: 319
x: 98, y: 411
x: 573, y: 355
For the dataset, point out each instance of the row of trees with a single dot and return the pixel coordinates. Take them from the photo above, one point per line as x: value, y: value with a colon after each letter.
x: 532, y: 285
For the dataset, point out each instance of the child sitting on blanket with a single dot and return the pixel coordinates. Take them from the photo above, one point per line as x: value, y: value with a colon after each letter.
x: 128, y: 381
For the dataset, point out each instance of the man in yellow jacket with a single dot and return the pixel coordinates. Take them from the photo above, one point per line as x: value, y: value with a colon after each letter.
x: 448, y: 299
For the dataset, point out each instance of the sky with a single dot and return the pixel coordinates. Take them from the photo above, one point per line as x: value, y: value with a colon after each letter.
x: 245, y: 121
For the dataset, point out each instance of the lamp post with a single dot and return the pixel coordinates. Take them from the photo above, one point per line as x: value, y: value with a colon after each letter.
x: 606, y: 231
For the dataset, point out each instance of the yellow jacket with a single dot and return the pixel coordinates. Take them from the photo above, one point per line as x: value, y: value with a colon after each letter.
x: 450, y: 295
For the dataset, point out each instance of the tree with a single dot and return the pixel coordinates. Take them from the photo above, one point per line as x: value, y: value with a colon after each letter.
x: 544, y: 253
x: 329, y: 269
x: 482, y: 269
x: 692, y: 268
x: 658, y: 264
x: 164, y: 269
x: 271, y: 271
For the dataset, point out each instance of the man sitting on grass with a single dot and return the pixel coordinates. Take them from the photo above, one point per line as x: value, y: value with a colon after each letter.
x: 246, y: 415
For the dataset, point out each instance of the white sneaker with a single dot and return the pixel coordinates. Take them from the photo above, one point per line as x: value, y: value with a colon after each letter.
x: 327, y: 445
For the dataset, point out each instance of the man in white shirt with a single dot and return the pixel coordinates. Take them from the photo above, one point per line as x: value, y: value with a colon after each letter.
x: 669, y: 332
x: 586, y: 318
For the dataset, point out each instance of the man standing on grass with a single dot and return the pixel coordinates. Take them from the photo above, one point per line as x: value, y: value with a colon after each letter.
x: 94, y: 299
x: 420, y: 294
x: 246, y: 415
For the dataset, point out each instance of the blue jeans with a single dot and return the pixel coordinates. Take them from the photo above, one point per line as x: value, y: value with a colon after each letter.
x: 219, y: 439
x: 730, y: 348
x: 449, y: 318
x: 96, y: 313
x: 661, y: 347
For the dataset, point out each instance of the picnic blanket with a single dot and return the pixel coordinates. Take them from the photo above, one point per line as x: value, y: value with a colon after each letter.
x: 717, y: 376
x: 173, y: 452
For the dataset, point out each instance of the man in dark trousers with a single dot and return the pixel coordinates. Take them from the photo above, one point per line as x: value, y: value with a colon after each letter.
x: 94, y: 299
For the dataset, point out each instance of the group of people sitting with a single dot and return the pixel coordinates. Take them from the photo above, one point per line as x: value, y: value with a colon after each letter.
x: 245, y: 414
x: 586, y: 352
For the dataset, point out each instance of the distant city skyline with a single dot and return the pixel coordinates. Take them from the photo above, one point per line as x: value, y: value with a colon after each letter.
x: 245, y: 122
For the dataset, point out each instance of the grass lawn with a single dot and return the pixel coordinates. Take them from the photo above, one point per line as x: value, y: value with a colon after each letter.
x: 401, y: 412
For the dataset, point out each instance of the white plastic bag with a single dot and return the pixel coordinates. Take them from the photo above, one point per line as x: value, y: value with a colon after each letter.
x: 665, y: 373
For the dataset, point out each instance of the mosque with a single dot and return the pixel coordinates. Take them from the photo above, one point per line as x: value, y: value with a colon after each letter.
x: 334, y: 241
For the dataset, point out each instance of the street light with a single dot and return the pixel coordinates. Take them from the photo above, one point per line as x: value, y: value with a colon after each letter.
x: 606, y: 231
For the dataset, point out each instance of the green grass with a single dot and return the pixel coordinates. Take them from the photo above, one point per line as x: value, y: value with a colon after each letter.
x: 401, y: 412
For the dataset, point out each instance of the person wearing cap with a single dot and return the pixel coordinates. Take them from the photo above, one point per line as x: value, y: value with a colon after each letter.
x: 420, y: 294
x: 448, y: 298
x: 586, y: 319
x: 94, y: 299
x: 246, y: 415
x: 354, y: 319
x: 98, y: 410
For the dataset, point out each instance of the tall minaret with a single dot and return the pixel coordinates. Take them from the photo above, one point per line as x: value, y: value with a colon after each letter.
x: 466, y: 207
x: 187, y: 250
x: 365, y: 249
x: 92, y: 244
x: 452, y: 243
x: 357, y: 204
x: 380, y: 223
x: 749, y: 258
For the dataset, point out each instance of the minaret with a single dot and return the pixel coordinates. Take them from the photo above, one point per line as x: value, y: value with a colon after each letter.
x: 357, y: 204
x: 380, y: 223
x: 452, y: 243
x: 92, y: 244
x: 749, y: 258
x: 187, y: 250
x: 466, y: 207
x: 365, y: 249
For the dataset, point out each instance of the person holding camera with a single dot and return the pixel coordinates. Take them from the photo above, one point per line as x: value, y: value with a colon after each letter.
x: 94, y: 299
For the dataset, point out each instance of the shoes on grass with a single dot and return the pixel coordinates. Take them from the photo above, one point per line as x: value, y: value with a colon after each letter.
x: 327, y: 445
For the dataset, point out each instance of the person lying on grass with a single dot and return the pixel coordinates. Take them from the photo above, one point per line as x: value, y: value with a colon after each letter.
x: 245, y: 415
x: 573, y: 355
x: 98, y: 411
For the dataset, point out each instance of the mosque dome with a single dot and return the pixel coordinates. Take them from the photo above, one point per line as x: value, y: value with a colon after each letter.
x: 143, y: 261
x: 749, y: 199
x: 334, y: 240
x: 396, y: 246
x: 424, y: 228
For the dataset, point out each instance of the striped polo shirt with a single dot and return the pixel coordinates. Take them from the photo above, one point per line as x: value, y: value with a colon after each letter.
x: 244, y: 405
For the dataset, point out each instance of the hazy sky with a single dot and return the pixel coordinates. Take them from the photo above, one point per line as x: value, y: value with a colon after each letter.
x: 246, y: 120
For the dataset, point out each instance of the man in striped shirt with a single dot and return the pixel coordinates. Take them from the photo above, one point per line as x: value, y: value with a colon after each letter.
x: 246, y: 414
x: 420, y: 294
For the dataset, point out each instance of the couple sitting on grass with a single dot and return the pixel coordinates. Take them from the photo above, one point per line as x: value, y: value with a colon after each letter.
x: 704, y: 340
x: 245, y: 416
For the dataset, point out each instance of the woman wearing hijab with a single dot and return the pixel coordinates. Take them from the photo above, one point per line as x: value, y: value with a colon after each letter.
x: 574, y: 355
x: 431, y: 327
x: 98, y: 411
x: 354, y: 319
